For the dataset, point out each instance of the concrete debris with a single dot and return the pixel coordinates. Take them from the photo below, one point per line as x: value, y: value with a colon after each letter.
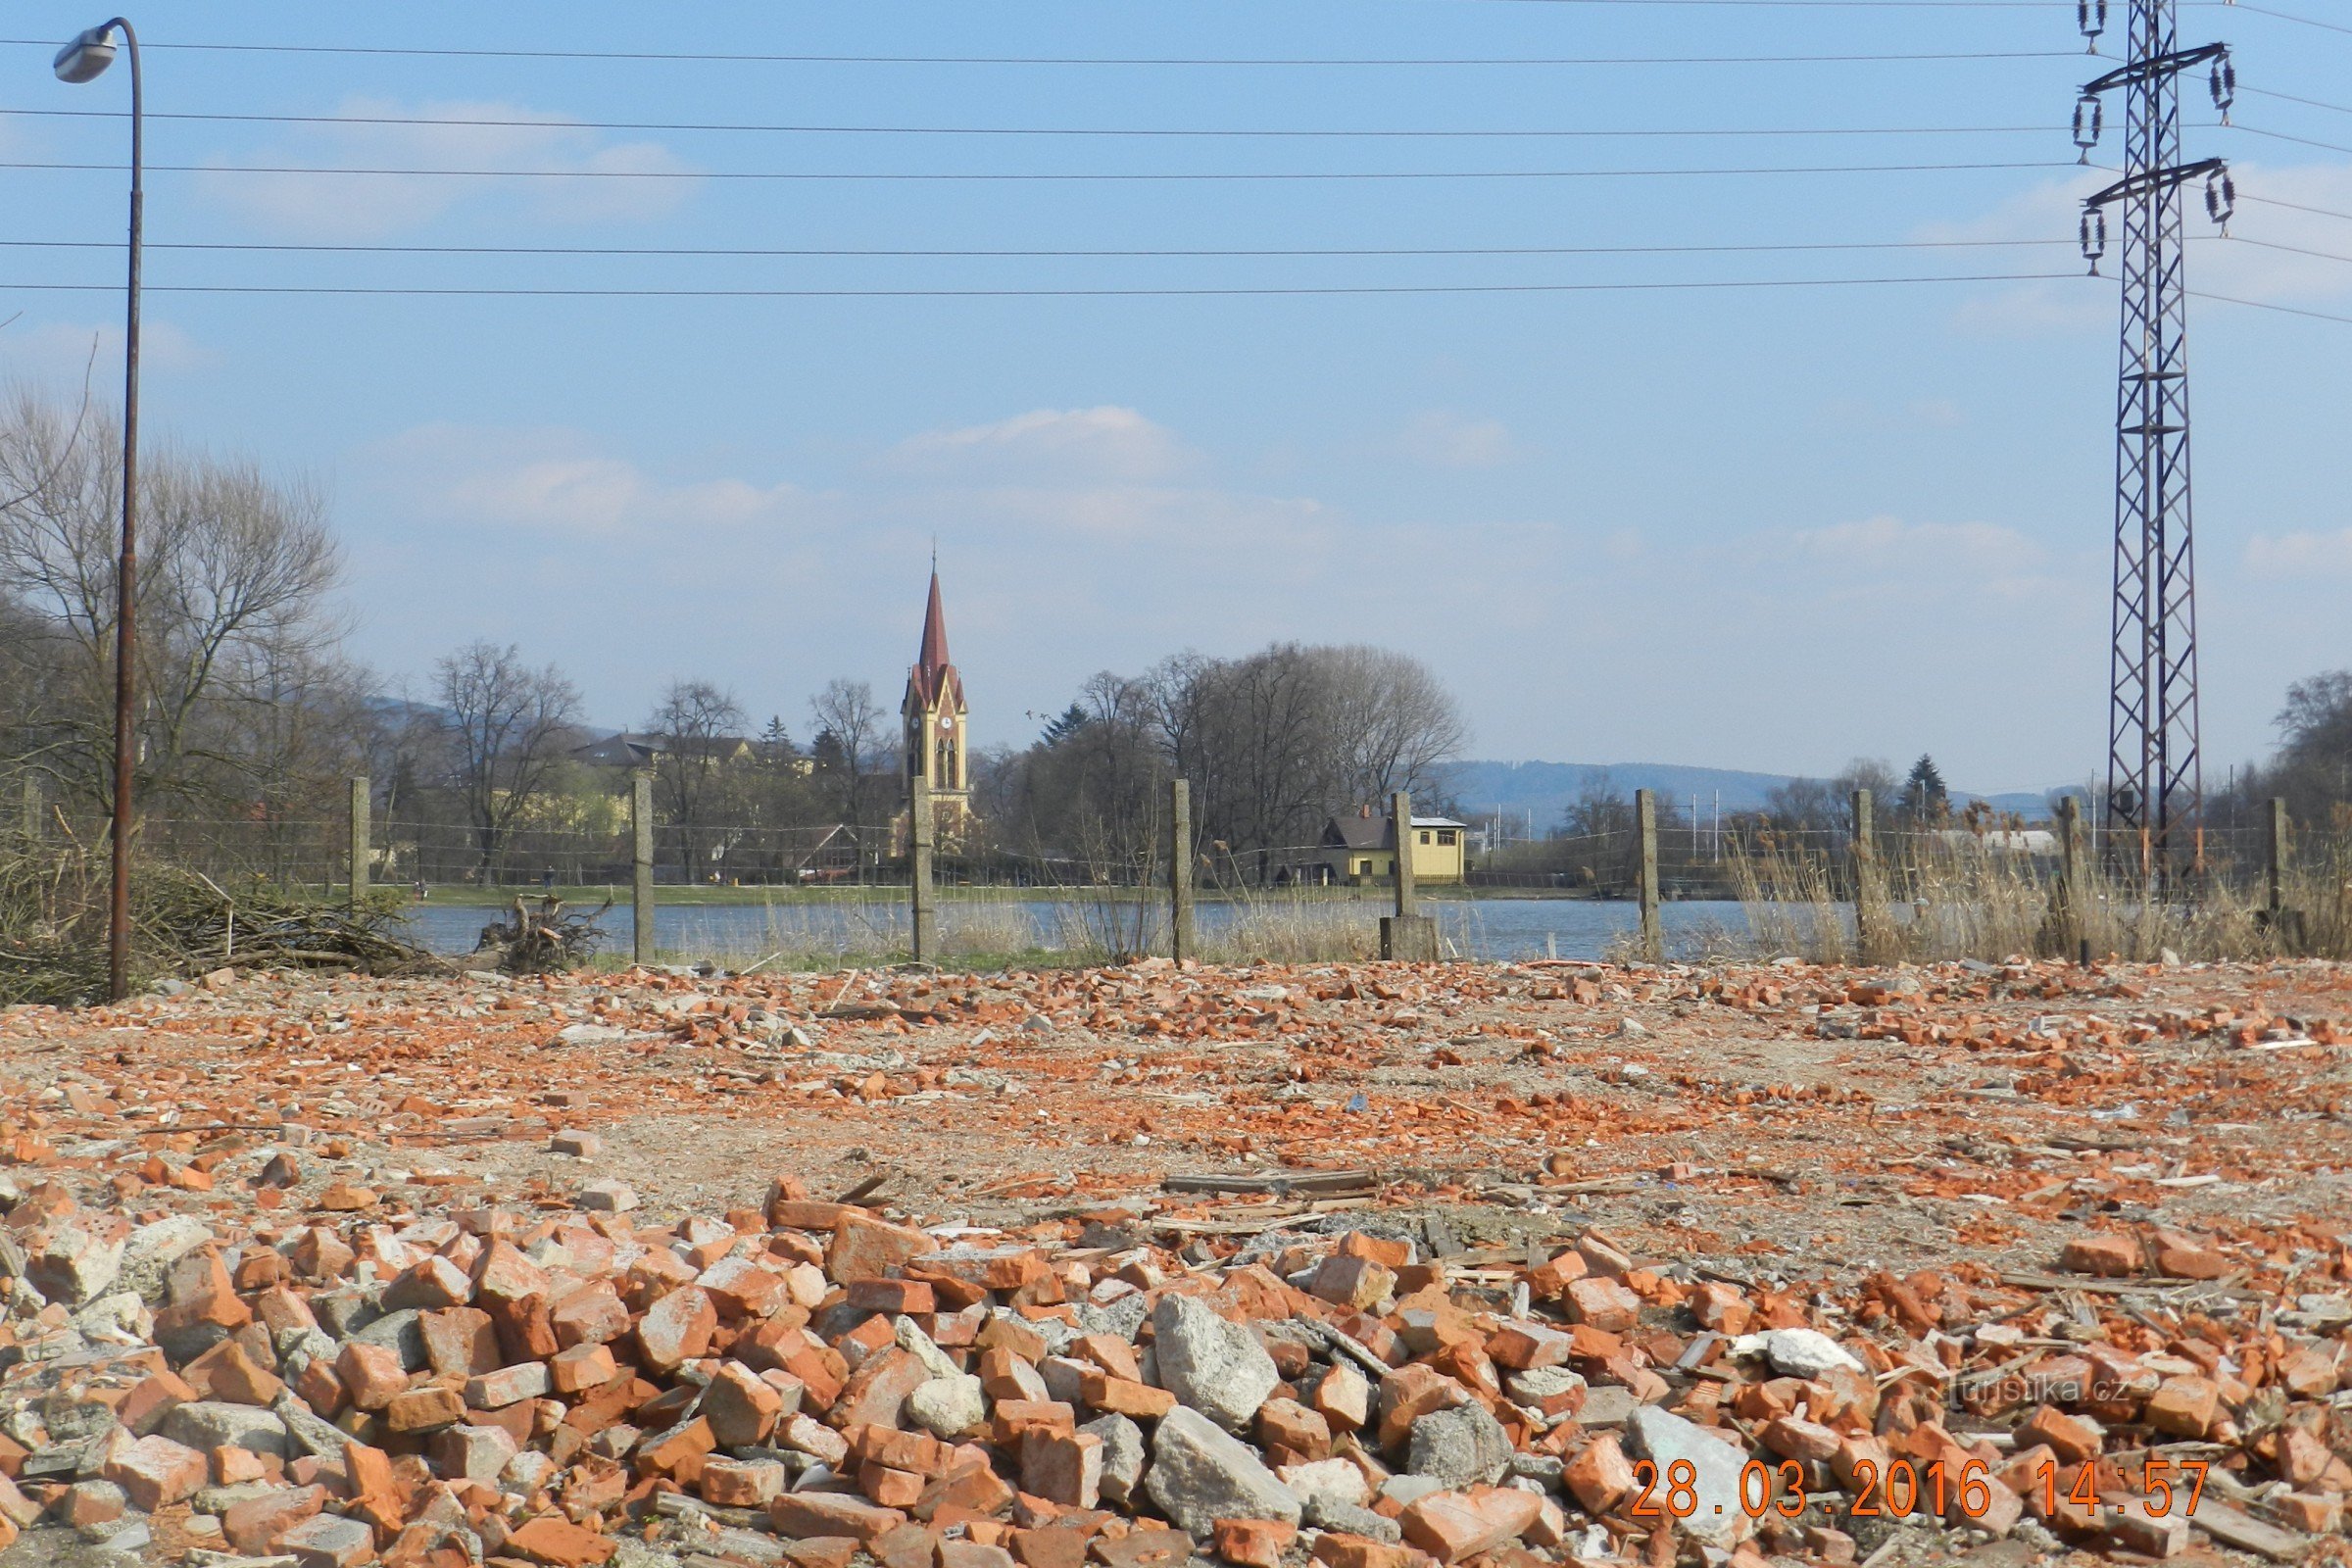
x: 299, y: 1333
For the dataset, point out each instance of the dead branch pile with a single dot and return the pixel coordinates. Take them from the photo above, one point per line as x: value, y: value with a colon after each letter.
x: 543, y: 940
x: 53, y: 917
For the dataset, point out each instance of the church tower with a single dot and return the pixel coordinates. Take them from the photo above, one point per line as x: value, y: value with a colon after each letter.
x: 934, y: 716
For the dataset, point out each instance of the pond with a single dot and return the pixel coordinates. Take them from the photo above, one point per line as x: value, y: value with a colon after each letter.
x: 736, y: 934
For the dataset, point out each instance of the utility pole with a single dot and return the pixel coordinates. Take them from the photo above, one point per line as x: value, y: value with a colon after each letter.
x: 2155, y: 784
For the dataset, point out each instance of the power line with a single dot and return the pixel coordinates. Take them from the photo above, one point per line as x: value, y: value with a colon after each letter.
x: 2284, y: 16
x: 2296, y: 250
x: 1049, y: 178
x: 2297, y: 207
x: 2288, y: 97
x: 1201, y: 253
x: 2300, y: 142
x: 1051, y: 293
x: 2265, y: 304
x: 1244, y: 60
x: 1041, y: 130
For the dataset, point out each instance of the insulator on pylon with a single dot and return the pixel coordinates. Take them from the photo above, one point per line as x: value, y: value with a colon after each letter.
x: 2091, y: 16
x: 2224, y: 85
x: 2094, y: 237
x: 2090, y: 118
x: 2221, y: 196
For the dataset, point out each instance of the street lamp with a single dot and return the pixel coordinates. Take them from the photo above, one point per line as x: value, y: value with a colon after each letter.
x: 86, y: 59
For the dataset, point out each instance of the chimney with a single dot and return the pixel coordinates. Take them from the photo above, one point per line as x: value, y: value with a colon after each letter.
x: 1364, y: 811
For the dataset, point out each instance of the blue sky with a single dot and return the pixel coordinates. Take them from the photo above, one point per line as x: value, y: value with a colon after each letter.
x: 1766, y: 528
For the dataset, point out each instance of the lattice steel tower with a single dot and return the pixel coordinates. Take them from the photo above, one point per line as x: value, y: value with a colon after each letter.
x: 2155, y: 783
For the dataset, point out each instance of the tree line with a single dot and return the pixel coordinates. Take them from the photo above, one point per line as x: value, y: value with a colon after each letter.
x: 251, y: 716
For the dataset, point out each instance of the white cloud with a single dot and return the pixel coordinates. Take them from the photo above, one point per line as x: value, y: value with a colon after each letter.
x: 1885, y: 540
x: 2297, y: 555
x: 1105, y: 442
x: 1926, y: 558
x: 542, y: 147
x: 557, y: 482
x: 1447, y: 440
x: 2248, y: 264
x: 64, y: 354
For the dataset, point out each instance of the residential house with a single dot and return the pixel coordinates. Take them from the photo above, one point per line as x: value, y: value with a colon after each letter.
x: 1362, y: 848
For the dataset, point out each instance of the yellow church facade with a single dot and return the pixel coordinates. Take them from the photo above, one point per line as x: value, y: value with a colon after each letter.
x: 934, y: 721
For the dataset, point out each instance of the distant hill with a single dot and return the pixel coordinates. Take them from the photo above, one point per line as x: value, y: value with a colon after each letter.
x: 1546, y: 789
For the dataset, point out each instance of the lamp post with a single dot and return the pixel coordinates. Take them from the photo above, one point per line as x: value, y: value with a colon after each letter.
x: 85, y: 60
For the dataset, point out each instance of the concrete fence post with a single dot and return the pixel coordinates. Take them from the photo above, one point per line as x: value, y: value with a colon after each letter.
x: 1180, y: 869
x: 1868, y: 917
x: 1645, y: 879
x: 2273, y: 851
x: 32, y: 805
x: 1407, y: 936
x: 361, y: 837
x: 921, y: 839
x: 2070, y: 901
x: 641, y: 867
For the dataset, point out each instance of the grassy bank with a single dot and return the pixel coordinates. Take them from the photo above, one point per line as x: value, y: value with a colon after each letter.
x: 1966, y: 901
x: 688, y: 895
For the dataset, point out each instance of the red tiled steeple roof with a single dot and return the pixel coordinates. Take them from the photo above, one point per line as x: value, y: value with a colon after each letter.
x: 934, y: 656
x: 934, y: 673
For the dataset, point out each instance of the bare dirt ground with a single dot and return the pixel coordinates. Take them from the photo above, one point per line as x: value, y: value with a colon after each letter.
x: 1789, y: 1121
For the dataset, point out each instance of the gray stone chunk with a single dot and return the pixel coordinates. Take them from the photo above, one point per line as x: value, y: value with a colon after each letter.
x: 58, y: 1461
x: 79, y: 1258
x: 1327, y: 1512
x: 220, y: 1499
x: 1200, y: 1475
x: 128, y: 1534
x: 401, y: 1332
x: 344, y: 1312
x: 1667, y: 1440
x: 152, y: 1251
x: 1406, y: 1490
x: 306, y: 1430
x: 1122, y: 1456
x: 1544, y: 1467
x: 1797, y: 1353
x: 1540, y: 1383
x: 329, y: 1538
x: 209, y: 1424
x: 1461, y: 1446
x: 948, y: 1408
x: 1123, y: 1317
x: 1216, y: 1368
x: 1606, y: 1406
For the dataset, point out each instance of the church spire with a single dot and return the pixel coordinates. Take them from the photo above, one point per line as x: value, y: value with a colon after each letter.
x: 934, y: 655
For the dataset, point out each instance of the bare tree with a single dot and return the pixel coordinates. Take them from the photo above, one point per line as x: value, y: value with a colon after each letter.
x: 1275, y: 742
x: 234, y: 606
x: 852, y: 739
x: 697, y: 734
x: 506, y: 727
x: 1395, y: 724
x: 1089, y: 793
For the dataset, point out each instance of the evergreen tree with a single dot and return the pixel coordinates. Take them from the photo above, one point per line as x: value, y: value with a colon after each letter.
x: 1924, y: 797
x: 1072, y: 719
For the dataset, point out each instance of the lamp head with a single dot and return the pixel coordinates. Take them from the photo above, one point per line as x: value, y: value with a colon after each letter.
x: 86, y: 58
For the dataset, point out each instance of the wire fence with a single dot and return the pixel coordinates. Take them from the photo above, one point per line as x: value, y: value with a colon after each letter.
x: 832, y: 893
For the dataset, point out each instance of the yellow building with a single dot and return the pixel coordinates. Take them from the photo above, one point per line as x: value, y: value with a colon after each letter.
x: 935, y: 717
x: 1362, y: 848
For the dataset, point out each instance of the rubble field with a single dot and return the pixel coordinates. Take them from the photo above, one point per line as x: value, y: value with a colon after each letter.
x: 1365, y: 1266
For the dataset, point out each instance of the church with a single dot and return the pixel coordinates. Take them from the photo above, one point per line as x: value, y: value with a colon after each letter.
x: 934, y: 718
